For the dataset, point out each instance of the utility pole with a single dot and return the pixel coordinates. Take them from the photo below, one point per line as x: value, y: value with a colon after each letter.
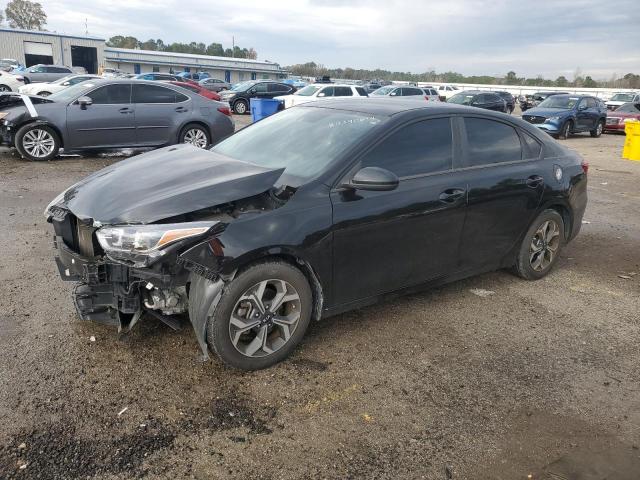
x: 233, y: 46
x: 86, y: 26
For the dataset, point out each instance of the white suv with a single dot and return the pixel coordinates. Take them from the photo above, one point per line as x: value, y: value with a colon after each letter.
x: 318, y: 91
x: 446, y: 91
x: 622, y: 97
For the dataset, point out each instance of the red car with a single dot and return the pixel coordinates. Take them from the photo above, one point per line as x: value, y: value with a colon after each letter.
x: 616, y: 119
x: 195, y: 88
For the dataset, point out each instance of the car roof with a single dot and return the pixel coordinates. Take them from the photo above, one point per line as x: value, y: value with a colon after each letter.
x: 388, y: 107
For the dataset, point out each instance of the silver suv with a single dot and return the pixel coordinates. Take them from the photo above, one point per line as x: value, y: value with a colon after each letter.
x: 45, y: 73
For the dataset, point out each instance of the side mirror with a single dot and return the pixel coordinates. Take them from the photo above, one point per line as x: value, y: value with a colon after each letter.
x: 84, y: 102
x: 66, y: 84
x: 582, y: 107
x: 322, y: 94
x: 393, y: 94
x: 374, y: 179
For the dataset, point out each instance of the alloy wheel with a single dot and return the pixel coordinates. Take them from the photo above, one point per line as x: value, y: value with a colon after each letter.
x: 599, y: 129
x: 241, y: 108
x: 196, y: 137
x: 264, y: 318
x: 38, y: 143
x: 4, y: 88
x: 544, y: 245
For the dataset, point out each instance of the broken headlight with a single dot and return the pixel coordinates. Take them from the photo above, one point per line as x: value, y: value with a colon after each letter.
x: 140, y: 245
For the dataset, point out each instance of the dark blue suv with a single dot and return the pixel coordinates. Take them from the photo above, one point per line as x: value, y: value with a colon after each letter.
x: 562, y: 115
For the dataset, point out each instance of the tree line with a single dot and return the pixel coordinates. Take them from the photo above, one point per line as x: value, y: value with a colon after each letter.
x: 24, y: 14
x: 312, y: 69
x: 199, y: 48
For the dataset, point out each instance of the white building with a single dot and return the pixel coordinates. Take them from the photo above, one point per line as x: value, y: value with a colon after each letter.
x: 33, y: 47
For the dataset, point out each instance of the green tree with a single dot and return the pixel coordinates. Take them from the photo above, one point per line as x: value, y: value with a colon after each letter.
x: 215, y: 49
x: 561, y: 81
x: 590, y: 82
x: 123, y: 42
x: 150, y: 44
x: 26, y: 15
x: 511, y: 78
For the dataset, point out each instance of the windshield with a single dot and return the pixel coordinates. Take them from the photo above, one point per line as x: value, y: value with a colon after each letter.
x: 560, y: 101
x: 305, y: 141
x: 242, y: 87
x: 629, y: 108
x: 71, y: 93
x: 461, y: 99
x: 308, y: 90
x: 383, y: 91
x: 622, y: 97
x: 60, y: 81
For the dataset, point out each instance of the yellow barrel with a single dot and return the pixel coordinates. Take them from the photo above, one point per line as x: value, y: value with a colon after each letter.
x: 632, y: 143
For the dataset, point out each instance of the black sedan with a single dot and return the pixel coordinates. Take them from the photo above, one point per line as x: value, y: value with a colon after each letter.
x: 270, y: 230
x: 478, y: 99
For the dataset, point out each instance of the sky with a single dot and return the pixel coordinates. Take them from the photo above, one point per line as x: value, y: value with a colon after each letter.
x: 490, y: 37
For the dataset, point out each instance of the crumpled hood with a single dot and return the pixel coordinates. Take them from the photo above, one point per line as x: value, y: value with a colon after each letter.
x: 546, y: 112
x: 164, y: 183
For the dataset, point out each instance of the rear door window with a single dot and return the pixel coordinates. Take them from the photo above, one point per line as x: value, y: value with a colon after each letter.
x: 490, y: 142
x: 342, y: 92
x: 155, y: 94
x: 326, y: 92
x: 420, y: 148
x: 278, y: 88
x: 361, y: 91
x: 531, y: 148
x: 411, y: 92
x: 111, y: 94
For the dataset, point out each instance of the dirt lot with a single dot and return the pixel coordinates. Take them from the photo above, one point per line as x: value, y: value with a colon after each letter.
x: 445, y: 384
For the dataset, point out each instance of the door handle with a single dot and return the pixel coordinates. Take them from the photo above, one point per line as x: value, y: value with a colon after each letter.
x: 534, y: 181
x: 125, y: 110
x: 181, y: 110
x: 452, y: 195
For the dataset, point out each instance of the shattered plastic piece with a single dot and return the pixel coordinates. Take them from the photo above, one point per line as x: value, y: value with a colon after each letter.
x: 626, y: 277
x: 586, y: 222
x: 123, y: 410
x: 366, y: 417
x: 92, y: 338
x: 482, y: 292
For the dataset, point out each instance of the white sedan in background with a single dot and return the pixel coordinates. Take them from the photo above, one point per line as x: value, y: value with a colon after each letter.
x: 44, y: 89
x: 318, y: 91
x: 10, y: 82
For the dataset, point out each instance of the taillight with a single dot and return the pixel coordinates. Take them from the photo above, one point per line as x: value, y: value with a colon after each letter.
x: 585, y: 166
x: 225, y: 110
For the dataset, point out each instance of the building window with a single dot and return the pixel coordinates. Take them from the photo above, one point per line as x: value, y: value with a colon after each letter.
x: 136, y: 68
x: 187, y: 69
x: 265, y: 76
x: 253, y: 75
x: 227, y: 76
x: 156, y: 68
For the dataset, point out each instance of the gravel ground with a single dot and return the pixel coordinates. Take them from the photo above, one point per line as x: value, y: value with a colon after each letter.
x: 446, y: 384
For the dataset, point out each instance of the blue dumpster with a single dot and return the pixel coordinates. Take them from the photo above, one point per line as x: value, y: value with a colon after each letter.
x: 263, y: 107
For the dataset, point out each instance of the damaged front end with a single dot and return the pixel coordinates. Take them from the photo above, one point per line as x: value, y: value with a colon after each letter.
x: 137, y: 250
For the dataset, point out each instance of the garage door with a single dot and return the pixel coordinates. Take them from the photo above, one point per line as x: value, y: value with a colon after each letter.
x: 36, y: 52
x: 40, y: 49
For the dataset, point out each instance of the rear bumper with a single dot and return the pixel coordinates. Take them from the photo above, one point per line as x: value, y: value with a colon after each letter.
x: 614, y: 127
x: 6, y: 135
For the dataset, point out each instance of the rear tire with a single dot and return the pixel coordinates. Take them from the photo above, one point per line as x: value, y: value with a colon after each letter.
x: 44, y: 94
x: 598, y: 130
x: 541, y: 246
x: 4, y: 89
x: 36, y: 142
x: 195, y: 135
x: 240, y: 107
x: 566, y: 129
x: 230, y: 333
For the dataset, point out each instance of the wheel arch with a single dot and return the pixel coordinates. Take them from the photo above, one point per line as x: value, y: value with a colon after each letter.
x: 296, y: 260
x: 565, y: 213
x: 40, y: 122
x: 195, y: 122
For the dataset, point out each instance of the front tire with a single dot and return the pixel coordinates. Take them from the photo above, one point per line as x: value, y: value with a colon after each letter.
x: 598, y: 130
x: 566, y: 129
x: 240, y: 107
x: 541, y: 246
x: 44, y: 94
x: 261, y: 317
x: 195, y: 135
x: 38, y: 143
x: 4, y: 89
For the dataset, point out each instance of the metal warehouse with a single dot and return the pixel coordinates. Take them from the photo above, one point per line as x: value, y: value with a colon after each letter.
x: 33, y: 47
